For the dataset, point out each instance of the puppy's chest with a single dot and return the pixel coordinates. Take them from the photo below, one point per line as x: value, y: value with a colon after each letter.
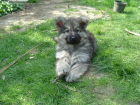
x: 71, y: 47
x: 67, y: 50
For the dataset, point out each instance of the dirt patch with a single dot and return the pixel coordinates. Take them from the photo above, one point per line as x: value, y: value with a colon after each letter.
x: 39, y: 12
x: 104, y: 91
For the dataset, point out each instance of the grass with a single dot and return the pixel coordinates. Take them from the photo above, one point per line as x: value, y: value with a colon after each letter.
x: 115, y: 80
x: 71, y: 10
x: 15, y: 27
x: 33, y: 1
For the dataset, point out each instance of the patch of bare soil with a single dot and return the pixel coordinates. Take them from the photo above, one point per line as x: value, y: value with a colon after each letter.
x: 46, y: 9
x: 104, y: 92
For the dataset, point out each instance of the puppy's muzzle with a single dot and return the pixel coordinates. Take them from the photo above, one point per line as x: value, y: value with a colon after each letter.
x: 73, y: 39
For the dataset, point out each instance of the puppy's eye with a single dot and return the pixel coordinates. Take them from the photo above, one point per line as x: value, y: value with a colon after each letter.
x: 77, y: 30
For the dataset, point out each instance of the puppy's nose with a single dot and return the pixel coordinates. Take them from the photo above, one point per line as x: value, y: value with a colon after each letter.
x: 73, y: 37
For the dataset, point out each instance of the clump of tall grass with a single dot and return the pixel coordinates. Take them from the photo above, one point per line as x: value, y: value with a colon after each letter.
x: 128, y: 1
x: 100, y: 3
x: 108, y: 3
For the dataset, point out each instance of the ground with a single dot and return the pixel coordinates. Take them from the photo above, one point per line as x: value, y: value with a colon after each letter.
x: 114, y: 77
x: 47, y: 9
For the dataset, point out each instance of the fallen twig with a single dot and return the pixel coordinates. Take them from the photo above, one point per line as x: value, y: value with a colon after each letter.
x: 18, y: 58
x: 130, y: 32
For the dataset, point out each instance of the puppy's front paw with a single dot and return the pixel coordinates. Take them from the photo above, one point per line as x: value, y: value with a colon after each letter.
x: 71, y: 77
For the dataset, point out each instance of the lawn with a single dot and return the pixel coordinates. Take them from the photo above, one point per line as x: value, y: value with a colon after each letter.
x: 114, y: 78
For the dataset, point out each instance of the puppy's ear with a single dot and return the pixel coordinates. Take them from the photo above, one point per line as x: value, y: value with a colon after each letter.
x: 60, y: 23
x: 83, y: 22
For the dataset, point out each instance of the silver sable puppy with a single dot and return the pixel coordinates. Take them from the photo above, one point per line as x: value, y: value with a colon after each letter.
x: 75, y: 48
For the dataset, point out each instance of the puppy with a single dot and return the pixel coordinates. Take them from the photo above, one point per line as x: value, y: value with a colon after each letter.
x: 74, y: 49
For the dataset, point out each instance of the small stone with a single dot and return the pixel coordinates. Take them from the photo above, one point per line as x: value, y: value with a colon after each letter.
x: 31, y: 57
x: 3, y: 77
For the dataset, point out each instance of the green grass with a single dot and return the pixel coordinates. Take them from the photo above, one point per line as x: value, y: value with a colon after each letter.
x: 105, y: 4
x: 15, y: 27
x: 116, y: 76
x: 71, y: 10
x: 33, y: 1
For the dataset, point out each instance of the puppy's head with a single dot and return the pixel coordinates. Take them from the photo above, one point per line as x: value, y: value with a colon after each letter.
x: 71, y: 28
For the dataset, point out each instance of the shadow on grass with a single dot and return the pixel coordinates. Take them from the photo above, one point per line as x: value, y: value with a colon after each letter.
x: 129, y: 12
